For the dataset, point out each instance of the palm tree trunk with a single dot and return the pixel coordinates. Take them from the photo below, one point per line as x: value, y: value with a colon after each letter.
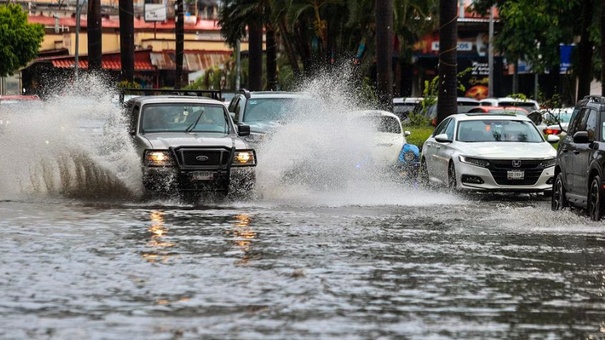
x: 271, y: 58
x: 448, y: 36
x: 384, y: 52
x: 255, y: 55
x: 585, y: 47
x: 95, y: 36
x: 285, y: 35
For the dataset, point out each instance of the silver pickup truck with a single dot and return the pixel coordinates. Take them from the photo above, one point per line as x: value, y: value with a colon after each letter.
x: 189, y: 146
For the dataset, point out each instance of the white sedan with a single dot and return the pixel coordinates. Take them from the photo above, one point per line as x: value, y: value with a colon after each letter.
x: 390, y: 147
x: 489, y: 152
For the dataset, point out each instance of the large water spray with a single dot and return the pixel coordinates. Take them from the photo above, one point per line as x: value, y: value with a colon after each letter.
x: 74, y: 144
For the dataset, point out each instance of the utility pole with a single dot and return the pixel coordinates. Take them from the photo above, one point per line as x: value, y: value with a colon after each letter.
x: 180, y: 36
x: 77, y: 51
x: 127, y: 40
x: 95, y: 36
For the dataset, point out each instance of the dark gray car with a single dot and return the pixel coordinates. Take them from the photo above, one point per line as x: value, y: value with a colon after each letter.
x: 189, y: 145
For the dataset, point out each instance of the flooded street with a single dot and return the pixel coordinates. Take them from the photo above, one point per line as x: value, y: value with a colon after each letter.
x: 455, y: 268
x: 83, y: 257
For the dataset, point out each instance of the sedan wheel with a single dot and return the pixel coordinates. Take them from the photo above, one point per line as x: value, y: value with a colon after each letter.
x: 558, y: 200
x: 451, y: 177
x: 594, y: 199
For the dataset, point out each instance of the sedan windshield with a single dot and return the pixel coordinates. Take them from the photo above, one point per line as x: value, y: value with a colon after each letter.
x: 187, y: 117
x: 490, y: 130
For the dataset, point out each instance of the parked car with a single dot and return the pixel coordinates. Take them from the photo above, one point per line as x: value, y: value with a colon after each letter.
x: 498, y: 109
x: 390, y: 148
x: 580, y: 162
x: 553, y: 121
x: 528, y: 104
x: 488, y: 152
x: 263, y: 111
x: 190, y: 146
x: 402, y: 106
x: 463, y: 105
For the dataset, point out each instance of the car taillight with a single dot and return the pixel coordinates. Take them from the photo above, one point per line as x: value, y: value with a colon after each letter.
x: 552, y: 131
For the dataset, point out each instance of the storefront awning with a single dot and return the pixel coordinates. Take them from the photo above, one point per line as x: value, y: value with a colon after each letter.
x: 106, y: 64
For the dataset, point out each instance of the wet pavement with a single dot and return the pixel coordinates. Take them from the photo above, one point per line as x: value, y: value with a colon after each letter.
x: 409, y: 263
x: 82, y: 258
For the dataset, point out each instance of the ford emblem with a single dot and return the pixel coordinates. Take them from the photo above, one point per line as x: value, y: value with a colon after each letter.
x: 201, y: 158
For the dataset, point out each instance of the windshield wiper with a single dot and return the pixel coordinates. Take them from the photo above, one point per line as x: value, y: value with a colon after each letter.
x: 190, y: 127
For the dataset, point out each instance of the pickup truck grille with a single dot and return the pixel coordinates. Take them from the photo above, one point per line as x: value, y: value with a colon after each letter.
x: 203, y: 158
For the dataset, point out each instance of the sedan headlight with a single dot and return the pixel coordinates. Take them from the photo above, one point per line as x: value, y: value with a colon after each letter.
x: 474, y: 161
x: 244, y: 158
x: 158, y: 158
x: 547, y: 163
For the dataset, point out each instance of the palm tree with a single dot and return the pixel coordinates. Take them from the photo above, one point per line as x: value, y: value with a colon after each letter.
x: 234, y: 17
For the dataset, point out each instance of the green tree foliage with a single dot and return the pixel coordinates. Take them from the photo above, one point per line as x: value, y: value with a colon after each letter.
x: 533, y: 29
x: 19, y: 40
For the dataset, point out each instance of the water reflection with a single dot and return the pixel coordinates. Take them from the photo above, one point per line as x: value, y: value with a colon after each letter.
x: 243, y: 237
x: 158, y: 233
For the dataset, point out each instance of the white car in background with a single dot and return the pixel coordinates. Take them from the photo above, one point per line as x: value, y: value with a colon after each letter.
x: 390, y: 148
x: 489, y: 152
x: 552, y: 121
x: 528, y: 104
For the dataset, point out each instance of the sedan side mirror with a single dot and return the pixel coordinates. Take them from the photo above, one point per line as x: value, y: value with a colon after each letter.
x: 443, y: 138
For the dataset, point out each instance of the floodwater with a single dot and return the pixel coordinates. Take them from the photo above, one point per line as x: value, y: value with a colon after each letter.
x: 418, y: 265
x: 83, y: 258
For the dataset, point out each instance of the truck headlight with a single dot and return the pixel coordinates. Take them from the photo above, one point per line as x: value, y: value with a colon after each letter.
x: 244, y: 158
x: 158, y: 158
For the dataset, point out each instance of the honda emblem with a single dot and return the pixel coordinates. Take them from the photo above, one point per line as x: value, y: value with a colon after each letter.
x: 516, y: 164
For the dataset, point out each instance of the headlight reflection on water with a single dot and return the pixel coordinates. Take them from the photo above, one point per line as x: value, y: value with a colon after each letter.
x: 158, y: 232
x: 243, y: 236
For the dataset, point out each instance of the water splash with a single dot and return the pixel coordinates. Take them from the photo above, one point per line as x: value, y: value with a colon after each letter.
x: 321, y: 154
x: 73, y: 145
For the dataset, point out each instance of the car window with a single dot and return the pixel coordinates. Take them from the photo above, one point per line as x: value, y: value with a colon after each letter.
x: 591, y: 125
x: 237, y: 109
x: 490, y: 130
x: 573, y: 122
x: 383, y: 123
x: 449, y: 131
x: 582, y: 119
x: 529, y: 106
x: 267, y: 109
x: 187, y: 117
x: 441, y: 127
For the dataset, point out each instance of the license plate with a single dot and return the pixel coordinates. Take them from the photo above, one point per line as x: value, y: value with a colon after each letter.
x: 202, y: 175
x: 515, y: 174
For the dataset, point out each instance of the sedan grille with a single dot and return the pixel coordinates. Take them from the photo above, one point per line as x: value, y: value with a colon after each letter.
x: 499, y: 170
x: 203, y: 158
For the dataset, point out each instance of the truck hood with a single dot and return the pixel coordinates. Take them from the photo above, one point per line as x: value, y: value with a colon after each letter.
x: 166, y: 140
